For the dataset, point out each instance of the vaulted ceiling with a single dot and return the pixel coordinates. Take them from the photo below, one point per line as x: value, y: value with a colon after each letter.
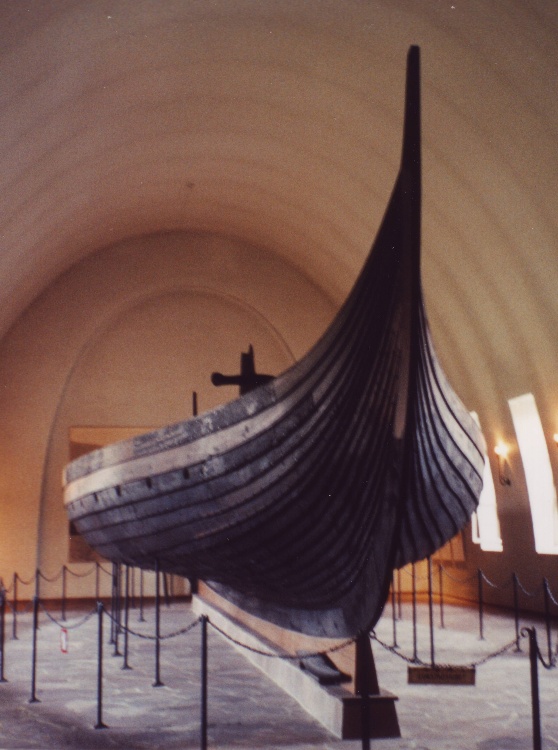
x: 279, y: 124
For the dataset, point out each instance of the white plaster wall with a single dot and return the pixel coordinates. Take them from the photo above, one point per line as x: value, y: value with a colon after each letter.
x: 123, y: 339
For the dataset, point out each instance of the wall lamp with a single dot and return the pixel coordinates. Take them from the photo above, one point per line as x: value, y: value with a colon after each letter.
x: 502, y: 450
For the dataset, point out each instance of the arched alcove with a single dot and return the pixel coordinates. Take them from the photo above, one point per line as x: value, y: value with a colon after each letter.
x: 122, y: 339
x: 139, y: 372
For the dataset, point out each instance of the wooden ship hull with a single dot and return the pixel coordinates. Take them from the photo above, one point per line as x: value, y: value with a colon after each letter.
x: 298, y: 500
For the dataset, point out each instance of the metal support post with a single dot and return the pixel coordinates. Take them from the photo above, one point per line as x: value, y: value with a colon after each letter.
x: 63, y: 613
x: 166, y: 590
x: 141, y: 617
x: 535, y: 701
x: 116, y: 608
x: 97, y: 587
x: 126, y: 616
x: 37, y: 590
x: 33, y: 698
x: 431, y: 611
x: 414, y: 598
x: 157, y: 682
x: 441, y: 590
x: 516, y: 611
x: 366, y: 684
x: 547, y: 620
x: 481, y: 605
x: 14, y: 610
x: 393, y: 613
x: 2, y: 634
x: 133, y: 589
x: 203, y: 728
x: 99, y: 724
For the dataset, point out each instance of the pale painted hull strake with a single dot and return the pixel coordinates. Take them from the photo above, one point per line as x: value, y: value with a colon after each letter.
x: 297, y: 500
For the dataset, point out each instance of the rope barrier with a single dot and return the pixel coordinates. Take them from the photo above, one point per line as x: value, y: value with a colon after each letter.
x: 493, y: 585
x: 147, y: 637
x: 417, y: 578
x: 285, y: 657
x: 54, y: 578
x: 81, y: 575
x: 393, y: 650
x: 551, y: 663
x: 412, y: 660
x: 458, y: 580
x: 64, y: 624
x: 550, y: 594
x: 535, y: 654
x: 28, y: 607
x: 528, y: 593
x: 494, y: 654
x: 25, y: 583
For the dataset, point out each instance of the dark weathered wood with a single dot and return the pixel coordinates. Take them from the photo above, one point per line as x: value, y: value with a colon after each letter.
x: 248, y: 379
x: 297, y: 500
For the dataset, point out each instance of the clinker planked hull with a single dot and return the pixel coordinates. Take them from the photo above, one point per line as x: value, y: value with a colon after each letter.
x: 299, y: 499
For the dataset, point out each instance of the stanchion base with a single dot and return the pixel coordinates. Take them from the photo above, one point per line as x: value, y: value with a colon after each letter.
x: 34, y: 700
x: 158, y: 684
x: 126, y: 666
x: 101, y: 726
x: 383, y: 716
x: 3, y: 679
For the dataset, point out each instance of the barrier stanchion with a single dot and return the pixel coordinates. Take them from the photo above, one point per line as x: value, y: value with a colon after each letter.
x: 165, y: 590
x: 33, y: 698
x: 141, y: 618
x: 133, y: 589
x: 126, y: 615
x: 100, y: 724
x: 37, y: 590
x: 441, y: 590
x: 63, y: 612
x: 2, y: 634
x: 431, y: 611
x: 203, y: 702
x: 97, y: 572
x: 516, y: 610
x: 14, y: 610
x: 399, y: 596
x: 414, y: 600
x: 547, y: 619
x: 481, y: 605
x: 393, y: 614
x: 535, y: 699
x: 116, y: 608
x: 363, y: 685
x: 112, y: 603
x: 157, y: 682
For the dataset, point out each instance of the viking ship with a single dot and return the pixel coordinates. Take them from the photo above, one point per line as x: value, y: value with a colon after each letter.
x: 298, y: 499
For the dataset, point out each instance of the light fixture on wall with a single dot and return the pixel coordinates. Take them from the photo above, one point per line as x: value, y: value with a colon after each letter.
x: 555, y: 438
x: 502, y: 450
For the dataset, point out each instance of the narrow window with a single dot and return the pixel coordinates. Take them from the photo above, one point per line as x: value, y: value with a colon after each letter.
x: 538, y: 472
x: 485, y: 523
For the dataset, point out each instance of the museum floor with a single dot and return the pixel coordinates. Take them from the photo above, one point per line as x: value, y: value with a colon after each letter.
x: 246, y: 710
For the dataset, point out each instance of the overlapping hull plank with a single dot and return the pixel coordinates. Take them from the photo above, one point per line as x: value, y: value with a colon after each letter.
x: 297, y: 500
